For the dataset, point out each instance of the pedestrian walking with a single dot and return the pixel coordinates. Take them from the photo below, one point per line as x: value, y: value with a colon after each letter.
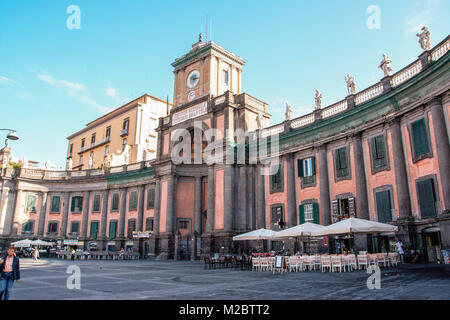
x: 10, y: 272
x: 36, y: 254
x: 400, y: 251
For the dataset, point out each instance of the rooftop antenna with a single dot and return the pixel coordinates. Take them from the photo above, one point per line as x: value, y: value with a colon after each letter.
x: 210, y: 29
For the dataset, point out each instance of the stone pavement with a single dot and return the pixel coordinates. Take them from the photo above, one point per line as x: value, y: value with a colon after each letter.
x: 173, y: 280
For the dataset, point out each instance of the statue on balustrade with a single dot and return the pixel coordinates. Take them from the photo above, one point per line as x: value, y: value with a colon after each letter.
x: 318, y: 99
x: 259, y: 120
x: 424, y: 39
x: 385, y: 65
x: 288, y: 111
x: 351, y: 87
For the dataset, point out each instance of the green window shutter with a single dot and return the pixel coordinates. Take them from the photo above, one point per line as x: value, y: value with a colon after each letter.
x: 427, y: 198
x: 383, y: 200
x: 151, y: 198
x: 55, y: 204
x: 316, y: 212
x: 72, y: 206
x: 81, y: 203
x: 112, y: 229
x: 94, y: 229
x: 301, y: 209
x: 313, y: 163
x: 300, y: 168
x: 420, y: 138
x: 378, y: 151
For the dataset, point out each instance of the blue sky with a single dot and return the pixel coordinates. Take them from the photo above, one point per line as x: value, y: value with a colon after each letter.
x: 54, y: 80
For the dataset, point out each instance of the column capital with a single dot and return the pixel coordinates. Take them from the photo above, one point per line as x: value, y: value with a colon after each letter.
x: 435, y: 101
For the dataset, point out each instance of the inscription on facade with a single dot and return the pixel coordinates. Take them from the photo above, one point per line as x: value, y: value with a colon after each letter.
x: 190, y: 113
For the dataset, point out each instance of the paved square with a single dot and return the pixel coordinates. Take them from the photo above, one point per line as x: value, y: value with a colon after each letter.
x: 173, y: 280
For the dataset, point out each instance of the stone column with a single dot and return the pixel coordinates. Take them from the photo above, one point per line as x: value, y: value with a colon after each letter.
x: 241, y: 224
x: 42, y: 214
x: 104, y: 218
x: 140, y: 218
x: 260, y: 197
x: 10, y: 214
x: 171, y: 205
x: 442, y: 148
x: 251, y: 198
x: 65, y: 216
x: 85, y: 218
x: 123, y: 209
x: 198, y: 205
x: 228, y: 198
x: 211, y: 199
x: 291, y: 197
x: 325, y: 203
x: 156, y: 215
x: 362, y: 202
x: 401, y: 176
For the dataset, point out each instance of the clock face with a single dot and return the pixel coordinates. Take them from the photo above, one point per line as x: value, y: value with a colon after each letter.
x: 193, y: 79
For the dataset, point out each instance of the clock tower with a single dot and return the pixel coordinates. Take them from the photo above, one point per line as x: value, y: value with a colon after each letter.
x: 208, y: 69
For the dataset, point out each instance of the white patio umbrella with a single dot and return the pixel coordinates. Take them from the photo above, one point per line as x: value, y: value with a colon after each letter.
x: 260, y: 234
x: 301, y: 231
x: 355, y: 226
x: 22, y: 243
x: 39, y: 242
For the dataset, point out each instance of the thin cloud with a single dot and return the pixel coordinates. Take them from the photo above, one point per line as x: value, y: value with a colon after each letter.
x: 62, y: 83
x: 8, y: 81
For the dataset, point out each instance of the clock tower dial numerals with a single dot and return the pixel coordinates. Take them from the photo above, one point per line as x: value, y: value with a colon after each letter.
x: 193, y: 79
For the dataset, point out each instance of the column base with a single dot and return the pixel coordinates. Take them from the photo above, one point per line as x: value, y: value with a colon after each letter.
x: 167, y: 246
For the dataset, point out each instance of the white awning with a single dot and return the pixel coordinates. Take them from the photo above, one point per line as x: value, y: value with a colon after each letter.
x: 260, y: 234
x: 302, y: 230
x: 355, y: 225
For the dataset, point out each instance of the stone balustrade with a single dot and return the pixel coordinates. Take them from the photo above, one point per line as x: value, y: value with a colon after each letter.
x: 440, y: 49
x: 369, y: 93
x: 272, y: 131
x: 406, y: 73
x: 302, y: 121
x: 334, y: 109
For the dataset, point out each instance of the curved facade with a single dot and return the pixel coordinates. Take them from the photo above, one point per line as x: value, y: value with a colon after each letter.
x: 381, y: 154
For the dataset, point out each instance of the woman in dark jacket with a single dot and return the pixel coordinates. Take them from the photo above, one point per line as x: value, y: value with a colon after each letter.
x: 10, y: 272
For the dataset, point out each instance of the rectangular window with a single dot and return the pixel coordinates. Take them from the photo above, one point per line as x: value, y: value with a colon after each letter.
x: 276, y: 180
x: 53, y: 227
x: 426, y: 195
x: 70, y: 150
x: 225, y: 77
x: 151, y: 198
x: 133, y: 201
x: 28, y: 227
x: 183, y: 224
x: 341, y: 162
x: 115, y: 202
x: 75, y: 227
x: 81, y: 160
x: 108, y: 132
x: 94, y: 230
x: 31, y: 203
x: 149, y: 224
x: 276, y: 218
x: 379, y: 154
x: 420, y: 138
x: 77, y: 204
x: 307, y: 170
x: 131, y: 228
x: 96, y: 205
x: 93, y: 139
x: 383, y: 202
x: 125, y: 124
x: 309, y: 213
x: 82, y: 143
x: 112, y: 229
x: 56, y: 202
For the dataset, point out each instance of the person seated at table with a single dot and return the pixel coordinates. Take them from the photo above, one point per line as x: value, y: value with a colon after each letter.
x: 415, y: 257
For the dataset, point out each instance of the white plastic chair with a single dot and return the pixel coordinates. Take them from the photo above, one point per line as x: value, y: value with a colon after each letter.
x: 293, y: 263
x: 336, y: 262
x: 256, y: 264
x: 363, y: 260
x: 352, y: 265
x: 326, y: 263
x: 264, y: 261
x: 317, y: 262
x: 382, y: 259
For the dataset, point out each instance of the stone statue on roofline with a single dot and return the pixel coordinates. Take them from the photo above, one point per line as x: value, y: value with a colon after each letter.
x: 424, y: 39
x: 69, y: 164
x: 351, y: 87
x: 385, y: 65
x: 288, y: 111
x: 259, y: 120
x: 318, y: 99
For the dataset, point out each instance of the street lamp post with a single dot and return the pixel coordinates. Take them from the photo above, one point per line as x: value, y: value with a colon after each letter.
x: 12, y: 135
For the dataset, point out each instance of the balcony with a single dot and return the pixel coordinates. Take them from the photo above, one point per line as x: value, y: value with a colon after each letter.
x: 94, y: 145
x: 124, y: 132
